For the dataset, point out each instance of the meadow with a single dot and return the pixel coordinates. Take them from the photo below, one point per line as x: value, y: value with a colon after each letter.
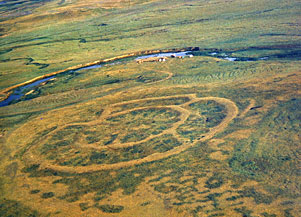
x: 216, y: 134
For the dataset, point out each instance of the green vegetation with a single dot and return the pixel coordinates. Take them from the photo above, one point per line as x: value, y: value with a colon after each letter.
x: 208, y: 114
x: 47, y: 195
x: 110, y: 208
x: 214, y: 182
x: 206, y: 135
x: 10, y: 208
x: 84, y: 206
x: 182, y: 25
x: 35, y: 191
x: 265, y: 153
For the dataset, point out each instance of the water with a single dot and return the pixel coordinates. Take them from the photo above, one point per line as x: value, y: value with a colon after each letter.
x: 230, y: 58
x: 20, y: 92
x: 89, y: 67
x: 263, y: 58
x: 96, y: 66
x: 178, y: 54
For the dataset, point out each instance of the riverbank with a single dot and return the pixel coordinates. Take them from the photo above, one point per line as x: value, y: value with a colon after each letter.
x: 7, y: 91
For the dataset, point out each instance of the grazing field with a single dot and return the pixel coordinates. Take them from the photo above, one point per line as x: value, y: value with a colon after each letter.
x: 215, y: 132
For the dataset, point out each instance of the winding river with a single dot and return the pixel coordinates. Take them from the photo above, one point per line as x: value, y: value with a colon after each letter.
x: 15, y: 93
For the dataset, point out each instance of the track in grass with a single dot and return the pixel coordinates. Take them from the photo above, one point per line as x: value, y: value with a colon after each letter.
x: 84, y: 149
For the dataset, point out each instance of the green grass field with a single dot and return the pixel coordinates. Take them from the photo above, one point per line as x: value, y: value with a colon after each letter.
x: 199, y: 136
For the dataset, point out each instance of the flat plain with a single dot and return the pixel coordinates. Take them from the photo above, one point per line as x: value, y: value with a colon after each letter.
x: 214, y: 133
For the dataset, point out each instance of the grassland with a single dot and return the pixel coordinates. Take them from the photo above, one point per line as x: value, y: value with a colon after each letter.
x: 201, y: 136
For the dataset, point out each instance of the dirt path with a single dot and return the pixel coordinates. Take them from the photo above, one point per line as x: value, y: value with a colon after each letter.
x: 245, y: 111
x: 169, y: 75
